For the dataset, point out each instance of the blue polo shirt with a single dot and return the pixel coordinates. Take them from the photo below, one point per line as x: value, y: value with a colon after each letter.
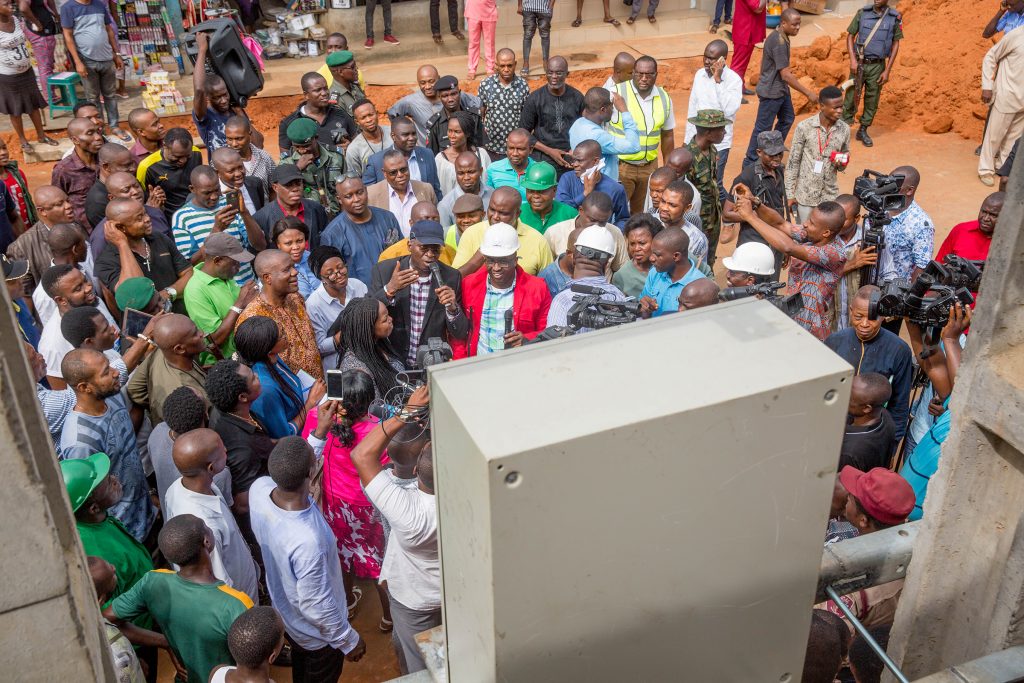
x: 661, y: 288
x: 501, y: 174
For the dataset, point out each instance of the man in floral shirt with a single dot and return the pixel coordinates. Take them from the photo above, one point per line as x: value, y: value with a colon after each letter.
x: 817, y: 255
x: 502, y: 97
x: 910, y: 237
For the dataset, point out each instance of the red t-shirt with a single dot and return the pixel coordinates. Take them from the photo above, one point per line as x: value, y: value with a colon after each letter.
x: 16, y: 193
x: 967, y: 241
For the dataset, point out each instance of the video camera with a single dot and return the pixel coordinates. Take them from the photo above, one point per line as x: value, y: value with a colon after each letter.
x: 791, y: 305
x: 927, y: 301
x: 590, y: 310
x: 434, y: 352
x: 878, y: 194
x: 957, y: 271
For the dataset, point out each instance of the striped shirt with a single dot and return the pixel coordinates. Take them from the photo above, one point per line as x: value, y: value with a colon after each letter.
x: 492, y: 318
x: 191, y: 226
x: 419, y: 295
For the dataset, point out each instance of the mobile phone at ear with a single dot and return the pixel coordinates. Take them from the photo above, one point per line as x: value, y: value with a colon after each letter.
x: 335, y: 388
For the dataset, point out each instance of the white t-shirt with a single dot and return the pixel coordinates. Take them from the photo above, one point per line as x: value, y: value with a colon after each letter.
x: 14, y: 57
x: 232, y: 561
x: 45, y: 306
x: 411, y: 565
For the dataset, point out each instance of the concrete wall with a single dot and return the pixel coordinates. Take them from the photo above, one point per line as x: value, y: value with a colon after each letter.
x: 50, y: 626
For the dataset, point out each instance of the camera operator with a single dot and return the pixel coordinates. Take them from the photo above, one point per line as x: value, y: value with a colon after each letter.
x: 595, y: 247
x: 972, y: 240
x: 750, y: 264
x: 673, y: 269
x: 869, y: 348
x: 857, y: 256
x: 910, y: 237
x: 817, y: 261
x: 698, y: 294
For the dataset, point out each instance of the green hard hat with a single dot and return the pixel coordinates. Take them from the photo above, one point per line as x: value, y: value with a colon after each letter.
x: 82, y: 476
x: 540, y: 176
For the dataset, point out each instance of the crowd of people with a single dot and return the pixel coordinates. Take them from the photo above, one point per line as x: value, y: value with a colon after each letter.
x: 182, y: 310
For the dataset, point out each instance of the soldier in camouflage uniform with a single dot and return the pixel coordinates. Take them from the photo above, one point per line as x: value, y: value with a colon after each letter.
x: 710, y: 125
x: 321, y: 168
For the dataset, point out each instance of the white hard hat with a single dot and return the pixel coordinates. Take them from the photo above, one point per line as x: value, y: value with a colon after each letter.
x: 751, y: 257
x: 500, y: 240
x: 597, y: 237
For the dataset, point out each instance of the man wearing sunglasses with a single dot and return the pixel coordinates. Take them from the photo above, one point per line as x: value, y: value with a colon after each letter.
x: 398, y: 192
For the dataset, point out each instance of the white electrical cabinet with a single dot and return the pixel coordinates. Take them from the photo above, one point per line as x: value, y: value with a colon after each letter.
x: 644, y: 503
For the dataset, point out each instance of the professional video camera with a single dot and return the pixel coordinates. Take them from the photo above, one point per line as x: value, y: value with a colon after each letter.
x: 925, y: 303
x: 790, y: 305
x: 590, y: 310
x: 392, y: 404
x: 957, y: 271
x: 878, y: 194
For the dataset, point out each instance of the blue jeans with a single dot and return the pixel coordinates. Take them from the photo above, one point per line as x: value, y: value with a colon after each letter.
x: 772, y: 113
x: 720, y: 7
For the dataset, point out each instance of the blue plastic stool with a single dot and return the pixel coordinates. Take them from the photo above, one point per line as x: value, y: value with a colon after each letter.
x: 67, y: 100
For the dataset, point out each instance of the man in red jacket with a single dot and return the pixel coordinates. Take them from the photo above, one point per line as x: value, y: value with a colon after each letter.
x: 748, y: 29
x: 501, y: 288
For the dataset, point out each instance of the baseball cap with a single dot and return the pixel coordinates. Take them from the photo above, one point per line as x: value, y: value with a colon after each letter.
x: 500, y: 240
x: 883, y: 494
x: 771, y: 142
x: 597, y: 237
x: 751, y: 257
x: 226, y: 244
x: 427, y: 232
x: 135, y: 292
x: 285, y: 173
x: 340, y: 57
x: 82, y: 476
x: 13, y: 270
x: 301, y: 130
x: 446, y: 83
x: 467, y: 203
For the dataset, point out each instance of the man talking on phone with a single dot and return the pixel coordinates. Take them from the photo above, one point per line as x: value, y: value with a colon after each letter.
x: 716, y: 86
x: 208, y: 212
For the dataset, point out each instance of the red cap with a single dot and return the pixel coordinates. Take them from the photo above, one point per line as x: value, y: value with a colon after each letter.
x: 883, y: 494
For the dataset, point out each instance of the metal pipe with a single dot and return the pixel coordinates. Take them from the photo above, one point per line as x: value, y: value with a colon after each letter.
x: 869, y: 560
x: 872, y: 643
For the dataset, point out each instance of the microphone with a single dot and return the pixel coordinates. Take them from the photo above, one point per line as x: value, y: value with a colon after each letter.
x: 435, y: 270
x: 587, y: 289
x: 508, y: 320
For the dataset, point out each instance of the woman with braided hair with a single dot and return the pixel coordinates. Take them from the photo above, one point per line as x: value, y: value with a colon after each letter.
x: 462, y: 137
x: 281, y: 407
x: 355, y: 522
x: 365, y: 326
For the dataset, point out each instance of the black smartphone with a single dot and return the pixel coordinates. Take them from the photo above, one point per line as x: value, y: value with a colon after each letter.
x: 134, y: 322
x: 335, y: 388
x: 231, y: 197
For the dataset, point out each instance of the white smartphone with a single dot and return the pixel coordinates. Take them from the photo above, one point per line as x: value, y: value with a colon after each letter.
x: 335, y: 388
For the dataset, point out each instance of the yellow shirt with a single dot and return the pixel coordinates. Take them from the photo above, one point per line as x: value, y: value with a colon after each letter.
x: 534, y: 252
x: 401, y: 248
x: 325, y: 71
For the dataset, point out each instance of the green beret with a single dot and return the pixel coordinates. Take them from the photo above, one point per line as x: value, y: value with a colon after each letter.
x: 340, y: 57
x: 301, y: 130
x: 135, y: 292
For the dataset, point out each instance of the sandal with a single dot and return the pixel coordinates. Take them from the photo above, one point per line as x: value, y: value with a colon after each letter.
x: 525, y: 72
x: 27, y: 147
x: 385, y: 625
x: 47, y: 140
x: 652, y: 20
x: 631, y: 20
x: 438, y: 39
x: 714, y: 28
x: 358, y: 592
x: 576, y: 23
x: 612, y: 21
x: 459, y: 35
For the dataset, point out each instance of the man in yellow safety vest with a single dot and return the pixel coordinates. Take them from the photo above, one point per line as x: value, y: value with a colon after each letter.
x: 651, y: 108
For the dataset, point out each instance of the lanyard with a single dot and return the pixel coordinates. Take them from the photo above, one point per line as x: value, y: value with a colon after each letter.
x: 821, y: 149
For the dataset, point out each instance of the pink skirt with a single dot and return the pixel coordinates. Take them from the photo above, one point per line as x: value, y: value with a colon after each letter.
x: 360, y: 537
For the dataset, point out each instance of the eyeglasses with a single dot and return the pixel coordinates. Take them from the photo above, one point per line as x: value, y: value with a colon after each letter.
x: 402, y: 170
x: 335, y: 273
x: 503, y: 262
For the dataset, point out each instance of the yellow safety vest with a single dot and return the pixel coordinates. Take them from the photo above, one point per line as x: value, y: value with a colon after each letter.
x: 650, y: 131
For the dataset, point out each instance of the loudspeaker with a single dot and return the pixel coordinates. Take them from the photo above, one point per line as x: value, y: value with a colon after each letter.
x: 229, y: 58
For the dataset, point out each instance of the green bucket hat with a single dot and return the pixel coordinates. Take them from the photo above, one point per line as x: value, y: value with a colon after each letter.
x: 83, y: 476
x: 301, y: 130
x: 709, y: 118
x: 540, y: 176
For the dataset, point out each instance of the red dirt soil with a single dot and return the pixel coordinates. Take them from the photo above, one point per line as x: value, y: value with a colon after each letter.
x: 935, y: 85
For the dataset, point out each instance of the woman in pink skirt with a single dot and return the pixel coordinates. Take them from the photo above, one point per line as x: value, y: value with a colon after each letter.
x: 355, y: 522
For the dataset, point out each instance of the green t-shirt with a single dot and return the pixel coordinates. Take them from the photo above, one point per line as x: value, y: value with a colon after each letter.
x: 630, y: 279
x: 208, y: 301
x: 111, y: 541
x: 559, y: 212
x: 195, y: 617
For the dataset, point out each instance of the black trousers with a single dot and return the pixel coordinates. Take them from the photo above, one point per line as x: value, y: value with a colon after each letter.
x: 371, y: 6
x: 435, y: 16
x: 316, y: 666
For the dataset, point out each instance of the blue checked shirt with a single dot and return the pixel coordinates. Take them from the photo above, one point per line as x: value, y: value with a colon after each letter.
x: 492, y: 319
x: 909, y: 242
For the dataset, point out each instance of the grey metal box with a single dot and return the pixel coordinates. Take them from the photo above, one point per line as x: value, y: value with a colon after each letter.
x: 645, y: 503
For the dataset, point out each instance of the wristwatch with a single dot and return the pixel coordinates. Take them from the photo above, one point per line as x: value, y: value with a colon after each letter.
x: 172, y: 293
